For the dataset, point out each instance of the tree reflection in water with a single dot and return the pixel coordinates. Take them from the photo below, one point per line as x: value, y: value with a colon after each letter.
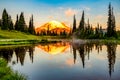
x: 83, y: 49
x: 111, y: 49
x: 20, y: 52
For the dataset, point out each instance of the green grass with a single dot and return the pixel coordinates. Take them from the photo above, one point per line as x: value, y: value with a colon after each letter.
x: 6, y: 73
x: 5, y: 34
x: 18, y: 42
x: 15, y: 38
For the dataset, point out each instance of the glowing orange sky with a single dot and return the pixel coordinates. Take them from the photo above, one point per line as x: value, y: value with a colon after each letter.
x: 62, y: 10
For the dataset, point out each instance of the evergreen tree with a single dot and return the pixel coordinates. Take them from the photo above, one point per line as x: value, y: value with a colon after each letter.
x: 109, y: 28
x: 81, y: 27
x: 16, y: 23
x: 48, y: 31
x: 44, y: 33
x: 97, y: 31
x: 4, y: 20
x: 101, y: 32
x: 113, y: 25
x: 91, y: 32
x: 88, y: 28
x: 0, y: 23
x: 82, y: 22
x: 64, y: 33
x: 31, y: 26
x: 55, y: 33
x: 74, y: 25
x: 21, y: 23
x: 111, y: 32
x: 100, y: 29
x: 39, y: 33
x: 10, y: 23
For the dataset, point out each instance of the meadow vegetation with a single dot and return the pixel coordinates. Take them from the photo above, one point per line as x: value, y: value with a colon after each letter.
x: 6, y: 73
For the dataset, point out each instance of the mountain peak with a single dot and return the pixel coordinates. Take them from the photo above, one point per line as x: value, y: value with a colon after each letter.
x: 53, y: 26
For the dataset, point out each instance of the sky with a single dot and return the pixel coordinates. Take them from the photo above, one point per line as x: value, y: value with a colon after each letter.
x: 62, y: 10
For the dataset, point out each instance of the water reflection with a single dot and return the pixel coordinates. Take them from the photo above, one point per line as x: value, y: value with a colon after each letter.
x: 111, y: 49
x: 83, y: 51
x: 54, y: 48
x: 20, y: 52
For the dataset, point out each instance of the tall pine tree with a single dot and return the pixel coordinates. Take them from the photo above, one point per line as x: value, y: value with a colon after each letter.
x: 16, y: 23
x: 88, y: 29
x: 113, y: 25
x: 10, y: 23
x: 74, y: 25
x: 111, y: 32
x: 4, y: 20
x: 82, y: 22
x: 21, y: 23
x: 0, y: 23
x: 81, y: 27
x: 31, y: 29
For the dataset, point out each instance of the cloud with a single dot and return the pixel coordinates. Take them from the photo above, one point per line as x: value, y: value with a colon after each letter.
x: 70, y: 12
x: 60, y: 8
x: 50, y: 17
x: 87, y: 8
x: 99, y: 17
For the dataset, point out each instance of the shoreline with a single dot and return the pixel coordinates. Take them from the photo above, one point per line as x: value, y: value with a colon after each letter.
x: 37, y: 41
x: 26, y: 41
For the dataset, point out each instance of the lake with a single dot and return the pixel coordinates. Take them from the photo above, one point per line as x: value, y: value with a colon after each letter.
x: 65, y: 61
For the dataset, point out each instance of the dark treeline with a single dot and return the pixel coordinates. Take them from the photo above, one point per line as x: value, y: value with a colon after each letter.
x: 86, y: 31
x: 84, y: 51
x: 53, y: 33
x: 6, y: 23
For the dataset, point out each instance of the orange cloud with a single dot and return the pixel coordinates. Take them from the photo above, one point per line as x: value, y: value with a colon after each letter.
x: 70, y: 12
x: 50, y: 17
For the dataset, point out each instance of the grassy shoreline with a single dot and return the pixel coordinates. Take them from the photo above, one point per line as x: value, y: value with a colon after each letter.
x: 6, y: 73
x: 37, y: 41
x: 19, y: 38
x: 24, y: 41
x: 17, y: 41
x: 16, y: 38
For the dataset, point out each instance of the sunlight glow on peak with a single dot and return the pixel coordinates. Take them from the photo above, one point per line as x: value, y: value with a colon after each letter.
x: 56, y: 24
x: 54, y: 21
x: 53, y: 26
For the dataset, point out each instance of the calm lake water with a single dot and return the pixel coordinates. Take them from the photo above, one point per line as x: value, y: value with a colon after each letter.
x: 65, y: 61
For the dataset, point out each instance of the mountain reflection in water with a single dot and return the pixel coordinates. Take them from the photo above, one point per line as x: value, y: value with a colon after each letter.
x: 84, y: 52
x: 55, y: 48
